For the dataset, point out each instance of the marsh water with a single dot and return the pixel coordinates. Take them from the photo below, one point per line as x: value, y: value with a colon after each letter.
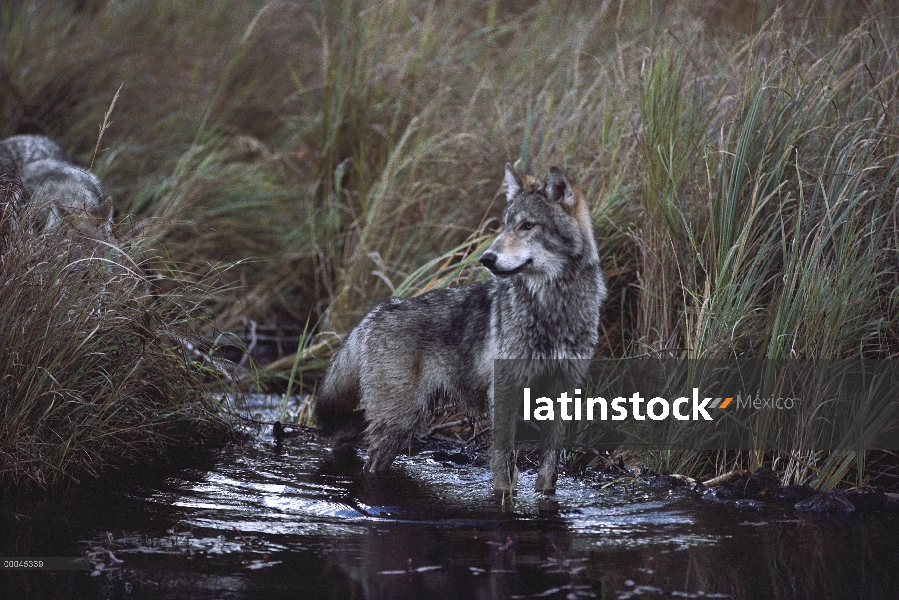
x: 282, y: 520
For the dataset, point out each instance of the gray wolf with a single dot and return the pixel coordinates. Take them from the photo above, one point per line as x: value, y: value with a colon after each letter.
x: 62, y: 192
x: 408, y: 357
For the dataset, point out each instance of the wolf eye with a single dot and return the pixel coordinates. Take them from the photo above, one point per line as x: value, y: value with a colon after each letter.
x: 527, y: 225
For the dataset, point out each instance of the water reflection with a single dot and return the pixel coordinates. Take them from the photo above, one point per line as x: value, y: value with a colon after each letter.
x: 284, y: 520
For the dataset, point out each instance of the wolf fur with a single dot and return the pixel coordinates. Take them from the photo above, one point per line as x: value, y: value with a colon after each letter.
x: 407, y: 357
x: 62, y: 192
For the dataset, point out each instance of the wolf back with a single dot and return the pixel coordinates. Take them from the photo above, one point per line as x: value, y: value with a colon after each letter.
x: 63, y: 191
x: 406, y: 358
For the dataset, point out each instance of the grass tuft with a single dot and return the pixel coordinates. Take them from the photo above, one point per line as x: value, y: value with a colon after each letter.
x: 92, y: 374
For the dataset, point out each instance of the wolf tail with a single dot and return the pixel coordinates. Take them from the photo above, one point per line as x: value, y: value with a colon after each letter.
x: 338, y: 397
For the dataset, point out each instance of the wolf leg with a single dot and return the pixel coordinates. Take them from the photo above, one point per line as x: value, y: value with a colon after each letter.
x: 383, y: 448
x: 502, y: 463
x: 502, y: 459
x: 335, y: 405
x: 550, y: 448
x: 392, y: 421
x: 346, y: 435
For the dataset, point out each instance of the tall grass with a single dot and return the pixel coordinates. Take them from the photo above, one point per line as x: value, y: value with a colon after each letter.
x: 740, y: 159
x: 92, y: 374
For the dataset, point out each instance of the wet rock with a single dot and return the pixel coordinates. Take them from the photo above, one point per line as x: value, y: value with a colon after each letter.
x: 868, y: 499
x: 458, y: 458
x: 827, y: 504
x: 750, y: 504
x: 761, y: 483
x: 748, y: 490
x: 601, y: 475
x: 670, y: 481
x: 684, y: 480
x: 789, y: 495
x: 719, y: 495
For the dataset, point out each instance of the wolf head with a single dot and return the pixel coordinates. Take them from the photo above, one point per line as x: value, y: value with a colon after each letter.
x: 72, y: 196
x: 546, y: 227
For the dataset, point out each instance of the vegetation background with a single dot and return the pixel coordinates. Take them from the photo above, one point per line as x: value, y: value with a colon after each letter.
x: 305, y: 159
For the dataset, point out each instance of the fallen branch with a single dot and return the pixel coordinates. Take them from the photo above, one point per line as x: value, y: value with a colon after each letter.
x: 443, y: 426
x: 731, y: 476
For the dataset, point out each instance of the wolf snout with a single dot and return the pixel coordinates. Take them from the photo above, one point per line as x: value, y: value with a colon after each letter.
x: 488, y: 259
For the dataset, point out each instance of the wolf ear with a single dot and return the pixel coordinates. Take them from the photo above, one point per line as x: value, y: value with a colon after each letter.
x: 513, y: 182
x: 558, y: 188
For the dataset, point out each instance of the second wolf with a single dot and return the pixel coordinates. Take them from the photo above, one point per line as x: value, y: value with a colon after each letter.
x: 62, y: 192
x: 408, y: 357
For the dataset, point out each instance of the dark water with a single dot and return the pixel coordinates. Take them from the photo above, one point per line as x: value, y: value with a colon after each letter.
x: 269, y: 521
